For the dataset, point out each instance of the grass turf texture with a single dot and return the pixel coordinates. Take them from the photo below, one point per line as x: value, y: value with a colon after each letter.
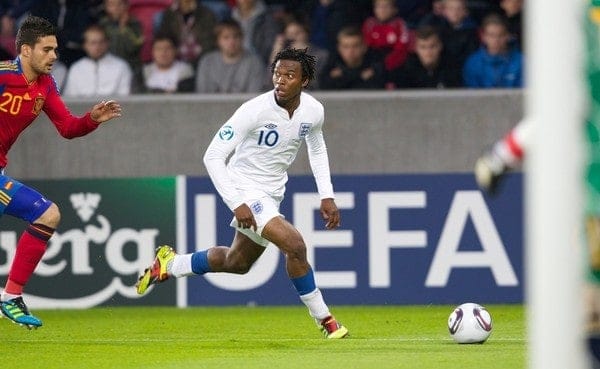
x: 259, y: 338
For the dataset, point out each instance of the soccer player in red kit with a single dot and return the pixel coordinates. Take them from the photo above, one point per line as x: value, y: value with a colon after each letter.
x: 27, y: 88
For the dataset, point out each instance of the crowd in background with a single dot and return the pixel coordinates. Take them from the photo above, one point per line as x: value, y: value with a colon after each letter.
x: 122, y: 47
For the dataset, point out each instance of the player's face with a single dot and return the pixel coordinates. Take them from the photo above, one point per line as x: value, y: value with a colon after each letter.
x: 288, y: 81
x: 42, y: 55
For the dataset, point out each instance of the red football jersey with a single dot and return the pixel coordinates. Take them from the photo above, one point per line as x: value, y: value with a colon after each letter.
x: 21, y: 102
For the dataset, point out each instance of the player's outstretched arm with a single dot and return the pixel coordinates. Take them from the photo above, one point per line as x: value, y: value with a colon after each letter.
x: 105, y: 110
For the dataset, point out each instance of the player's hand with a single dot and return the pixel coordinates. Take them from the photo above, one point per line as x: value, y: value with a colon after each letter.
x: 105, y: 110
x: 244, y: 217
x: 330, y: 213
x: 489, y: 171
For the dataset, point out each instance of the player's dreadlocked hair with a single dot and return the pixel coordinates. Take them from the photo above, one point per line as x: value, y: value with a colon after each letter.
x: 31, y: 30
x: 307, y: 61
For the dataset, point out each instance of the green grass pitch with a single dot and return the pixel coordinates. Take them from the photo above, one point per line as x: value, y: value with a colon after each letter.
x: 382, y: 337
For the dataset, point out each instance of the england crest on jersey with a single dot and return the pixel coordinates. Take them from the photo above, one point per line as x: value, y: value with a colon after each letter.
x: 304, y: 129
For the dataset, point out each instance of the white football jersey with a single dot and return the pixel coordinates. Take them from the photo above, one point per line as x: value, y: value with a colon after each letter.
x: 264, y: 141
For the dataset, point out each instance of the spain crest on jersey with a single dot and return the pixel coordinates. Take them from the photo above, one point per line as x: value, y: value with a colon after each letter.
x: 38, y: 105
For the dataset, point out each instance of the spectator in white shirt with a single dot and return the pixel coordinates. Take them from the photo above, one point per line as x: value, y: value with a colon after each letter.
x: 100, y: 73
x: 166, y: 73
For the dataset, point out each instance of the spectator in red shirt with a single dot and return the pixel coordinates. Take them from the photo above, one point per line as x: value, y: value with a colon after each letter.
x: 27, y: 89
x: 387, y: 34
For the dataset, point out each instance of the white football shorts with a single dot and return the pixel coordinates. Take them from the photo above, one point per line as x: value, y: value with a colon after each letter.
x: 264, y: 209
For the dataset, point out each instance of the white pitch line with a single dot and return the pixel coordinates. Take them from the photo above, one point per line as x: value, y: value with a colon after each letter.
x: 171, y: 339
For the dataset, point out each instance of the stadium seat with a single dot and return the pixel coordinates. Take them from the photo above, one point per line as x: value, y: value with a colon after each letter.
x: 145, y: 11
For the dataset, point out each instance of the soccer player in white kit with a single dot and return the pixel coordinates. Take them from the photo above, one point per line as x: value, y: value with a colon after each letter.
x: 264, y: 135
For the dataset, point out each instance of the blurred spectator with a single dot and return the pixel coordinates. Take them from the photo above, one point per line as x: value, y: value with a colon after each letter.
x: 220, y: 8
x: 354, y: 67
x: 59, y: 72
x: 412, y: 11
x: 99, y: 73
x: 512, y: 10
x: 428, y: 66
x: 10, y: 13
x: 71, y: 17
x: 327, y: 17
x: 258, y: 26
x: 479, y: 9
x: 125, y: 37
x: 5, y: 55
x: 459, y: 32
x: 295, y: 34
x: 435, y: 17
x: 191, y: 25
x: 495, y: 64
x: 166, y: 74
x: 149, y: 14
x: 230, y: 69
x: 386, y: 34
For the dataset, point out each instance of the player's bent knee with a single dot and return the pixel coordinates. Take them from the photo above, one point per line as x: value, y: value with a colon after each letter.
x: 241, y: 269
x: 238, y: 266
x: 51, y: 217
x: 296, y: 250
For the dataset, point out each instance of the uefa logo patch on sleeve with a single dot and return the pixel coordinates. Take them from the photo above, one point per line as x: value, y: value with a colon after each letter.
x: 226, y: 133
x: 304, y: 129
x: 257, y: 207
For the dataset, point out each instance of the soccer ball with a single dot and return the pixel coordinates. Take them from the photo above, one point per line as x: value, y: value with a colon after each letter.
x: 470, y: 323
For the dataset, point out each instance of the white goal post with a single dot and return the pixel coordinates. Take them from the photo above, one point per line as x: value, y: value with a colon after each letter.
x: 554, y: 101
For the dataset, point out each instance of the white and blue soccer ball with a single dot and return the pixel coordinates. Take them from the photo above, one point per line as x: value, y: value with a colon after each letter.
x: 470, y: 323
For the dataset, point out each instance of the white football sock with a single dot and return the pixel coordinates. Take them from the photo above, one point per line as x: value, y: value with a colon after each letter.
x: 182, y: 266
x: 7, y: 296
x: 316, y: 305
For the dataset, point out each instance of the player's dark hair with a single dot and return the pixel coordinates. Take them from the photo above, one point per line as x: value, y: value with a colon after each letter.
x: 307, y: 62
x: 31, y: 30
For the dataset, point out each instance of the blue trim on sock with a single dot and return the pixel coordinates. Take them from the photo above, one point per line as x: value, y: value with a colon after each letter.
x: 305, y: 284
x: 200, y: 262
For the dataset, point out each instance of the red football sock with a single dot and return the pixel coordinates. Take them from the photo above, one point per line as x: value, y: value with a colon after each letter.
x: 30, y: 249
